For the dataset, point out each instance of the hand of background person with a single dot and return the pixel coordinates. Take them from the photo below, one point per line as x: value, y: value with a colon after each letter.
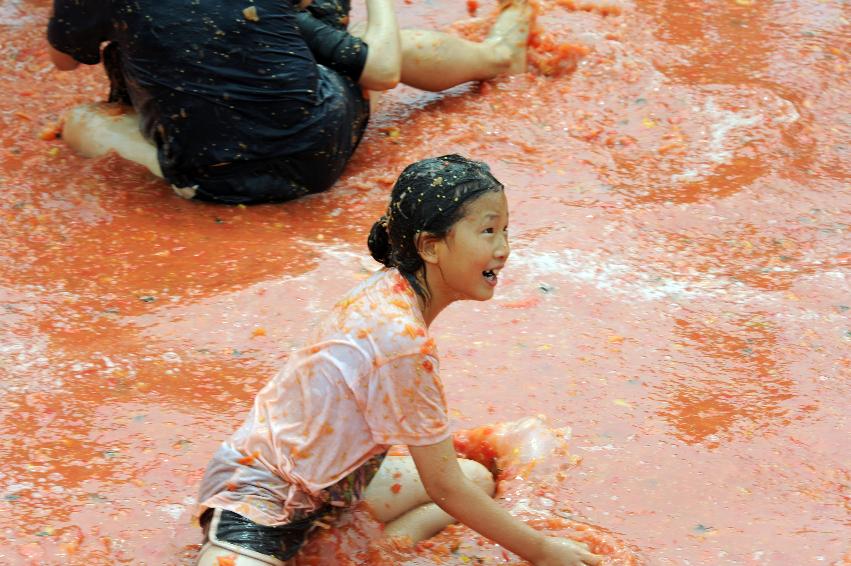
x: 62, y: 61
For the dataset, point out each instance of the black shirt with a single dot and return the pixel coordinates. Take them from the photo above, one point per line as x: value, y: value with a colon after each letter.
x: 211, y: 83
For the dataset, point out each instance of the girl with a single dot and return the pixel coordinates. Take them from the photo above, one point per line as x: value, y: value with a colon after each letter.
x: 368, y: 379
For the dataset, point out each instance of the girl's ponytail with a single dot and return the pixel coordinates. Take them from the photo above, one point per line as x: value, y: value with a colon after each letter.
x: 379, y: 242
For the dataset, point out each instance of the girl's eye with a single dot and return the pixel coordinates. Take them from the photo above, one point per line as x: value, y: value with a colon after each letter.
x: 488, y: 230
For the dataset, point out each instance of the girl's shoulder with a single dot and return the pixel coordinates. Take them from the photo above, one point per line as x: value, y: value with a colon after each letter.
x: 385, y: 289
x: 383, y: 309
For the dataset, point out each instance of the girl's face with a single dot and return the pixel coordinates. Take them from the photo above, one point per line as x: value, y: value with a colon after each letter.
x: 470, y: 257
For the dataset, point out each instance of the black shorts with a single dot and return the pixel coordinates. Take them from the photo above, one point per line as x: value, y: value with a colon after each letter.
x: 285, y: 178
x: 230, y: 531
x: 275, y: 179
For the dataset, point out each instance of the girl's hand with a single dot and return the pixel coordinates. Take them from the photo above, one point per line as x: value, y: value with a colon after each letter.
x: 565, y: 552
x: 452, y: 491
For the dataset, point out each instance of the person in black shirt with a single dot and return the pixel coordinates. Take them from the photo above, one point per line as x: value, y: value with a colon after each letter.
x: 258, y: 101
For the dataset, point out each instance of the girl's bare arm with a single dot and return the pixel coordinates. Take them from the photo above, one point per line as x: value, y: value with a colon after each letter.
x: 449, y: 488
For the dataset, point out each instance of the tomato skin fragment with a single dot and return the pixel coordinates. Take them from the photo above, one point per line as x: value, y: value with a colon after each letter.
x: 249, y: 460
x: 50, y: 132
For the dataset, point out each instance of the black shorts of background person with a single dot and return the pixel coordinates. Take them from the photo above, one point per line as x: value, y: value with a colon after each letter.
x: 285, y: 178
x: 240, y: 111
x: 288, y: 177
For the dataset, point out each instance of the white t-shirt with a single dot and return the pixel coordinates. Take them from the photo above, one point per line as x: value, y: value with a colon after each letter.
x: 367, y: 379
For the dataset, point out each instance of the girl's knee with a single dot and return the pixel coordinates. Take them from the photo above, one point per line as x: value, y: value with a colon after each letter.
x: 479, y: 474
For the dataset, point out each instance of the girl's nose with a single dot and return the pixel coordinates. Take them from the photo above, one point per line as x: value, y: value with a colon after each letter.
x: 503, y: 248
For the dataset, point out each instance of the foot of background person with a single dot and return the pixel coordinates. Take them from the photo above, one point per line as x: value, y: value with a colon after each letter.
x: 511, y: 32
x: 96, y: 129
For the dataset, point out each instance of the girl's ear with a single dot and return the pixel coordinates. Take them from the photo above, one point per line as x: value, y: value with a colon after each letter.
x: 427, y: 247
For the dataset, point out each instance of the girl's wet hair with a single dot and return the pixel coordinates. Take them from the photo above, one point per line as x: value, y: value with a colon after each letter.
x: 430, y: 196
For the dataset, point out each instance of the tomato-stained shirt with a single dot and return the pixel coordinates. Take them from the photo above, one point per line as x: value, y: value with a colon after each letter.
x: 367, y: 379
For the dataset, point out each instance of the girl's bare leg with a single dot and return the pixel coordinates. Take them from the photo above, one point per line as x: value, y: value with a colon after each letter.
x: 396, y: 496
x: 419, y: 523
x: 95, y: 129
x: 210, y: 555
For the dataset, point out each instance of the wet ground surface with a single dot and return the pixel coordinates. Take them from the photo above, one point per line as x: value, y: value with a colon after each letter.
x: 678, y: 291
